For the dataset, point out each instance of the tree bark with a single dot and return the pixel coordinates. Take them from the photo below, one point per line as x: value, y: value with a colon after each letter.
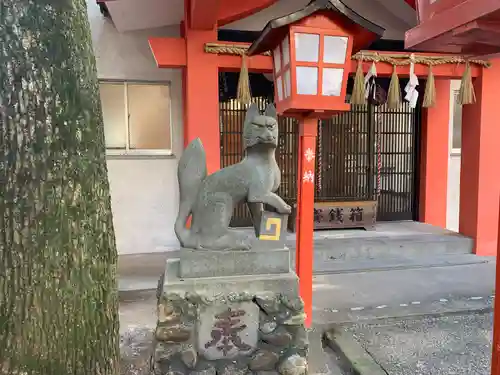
x: 58, y: 292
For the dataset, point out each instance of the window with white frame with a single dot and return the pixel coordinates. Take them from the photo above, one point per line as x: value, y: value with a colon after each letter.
x: 136, y: 117
x: 456, y: 140
x: 456, y: 118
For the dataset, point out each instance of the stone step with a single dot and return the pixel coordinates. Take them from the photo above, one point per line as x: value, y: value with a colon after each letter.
x: 132, y: 284
x: 347, y: 249
x: 400, y: 262
x: 377, y: 247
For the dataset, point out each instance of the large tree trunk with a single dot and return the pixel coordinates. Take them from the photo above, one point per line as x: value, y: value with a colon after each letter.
x: 58, y: 294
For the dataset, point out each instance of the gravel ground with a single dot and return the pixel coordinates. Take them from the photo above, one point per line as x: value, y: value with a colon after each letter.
x: 450, y: 345
x: 137, y: 323
x: 135, y: 347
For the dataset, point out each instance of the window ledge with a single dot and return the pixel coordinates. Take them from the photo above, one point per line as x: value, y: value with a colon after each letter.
x: 139, y: 154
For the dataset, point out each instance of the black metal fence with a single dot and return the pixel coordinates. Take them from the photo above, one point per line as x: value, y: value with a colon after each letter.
x: 399, y: 133
x: 344, y: 162
x: 368, y: 153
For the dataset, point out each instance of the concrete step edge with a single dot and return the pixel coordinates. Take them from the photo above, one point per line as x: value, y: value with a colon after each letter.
x: 456, y: 308
x: 393, y: 263
x: 419, y: 315
x: 352, y: 353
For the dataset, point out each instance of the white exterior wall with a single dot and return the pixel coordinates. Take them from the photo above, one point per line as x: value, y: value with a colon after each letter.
x: 453, y: 196
x: 144, y: 190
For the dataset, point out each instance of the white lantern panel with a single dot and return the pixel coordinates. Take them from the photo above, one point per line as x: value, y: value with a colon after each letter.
x: 335, y: 49
x: 285, y: 47
x: 288, y: 83
x: 306, y: 47
x: 279, y: 88
x: 307, y: 80
x: 332, y: 81
x: 277, y: 60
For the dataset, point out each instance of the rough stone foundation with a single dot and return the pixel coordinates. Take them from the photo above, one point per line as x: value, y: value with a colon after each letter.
x: 232, y: 334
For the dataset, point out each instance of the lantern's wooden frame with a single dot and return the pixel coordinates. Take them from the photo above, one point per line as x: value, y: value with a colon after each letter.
x: 322, y: 104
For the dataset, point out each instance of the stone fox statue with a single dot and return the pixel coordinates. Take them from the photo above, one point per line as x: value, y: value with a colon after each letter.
x: 210, y: 199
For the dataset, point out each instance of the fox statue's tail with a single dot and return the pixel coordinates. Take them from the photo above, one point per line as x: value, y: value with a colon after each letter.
x: 191, y: 172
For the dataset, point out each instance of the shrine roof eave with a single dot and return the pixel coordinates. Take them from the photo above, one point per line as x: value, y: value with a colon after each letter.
x: 471, y: 27
x: 263, y: 42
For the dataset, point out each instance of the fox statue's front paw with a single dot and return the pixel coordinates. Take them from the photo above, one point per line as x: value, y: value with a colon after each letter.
x: 285, y: 209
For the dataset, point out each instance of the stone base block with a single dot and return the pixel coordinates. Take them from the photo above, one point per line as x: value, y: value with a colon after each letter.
x: 209, y: 263
x: 230, y: 325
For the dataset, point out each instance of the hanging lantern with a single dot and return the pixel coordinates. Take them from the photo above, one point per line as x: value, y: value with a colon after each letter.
x: 312, y: 51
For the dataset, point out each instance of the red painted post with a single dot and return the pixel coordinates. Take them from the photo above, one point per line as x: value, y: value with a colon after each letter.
x: 495, y: 360
x: 297, y: 212
x: 305, y: 229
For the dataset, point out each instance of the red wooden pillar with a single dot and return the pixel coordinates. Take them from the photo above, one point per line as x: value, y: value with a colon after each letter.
x: 479, y: 176
x: 434, y: 158
x: 305, y: 228
x: 299, y: 199
x: 201, y: 94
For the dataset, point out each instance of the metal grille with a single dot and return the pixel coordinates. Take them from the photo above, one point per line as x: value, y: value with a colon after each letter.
x: 398, y: 131
x: 368, y: 153
x: 344, y: 163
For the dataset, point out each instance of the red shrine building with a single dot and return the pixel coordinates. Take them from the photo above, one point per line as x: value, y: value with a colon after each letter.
x: 169, y: 73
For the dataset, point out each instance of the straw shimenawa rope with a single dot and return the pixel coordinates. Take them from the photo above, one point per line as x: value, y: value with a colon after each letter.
x: 430, y: 91
x: 229, y: 49
x: 394, y: 93
x: 401, y: 59
x: 467, y: 95
x: 244, y: 92
x: 358, y: 90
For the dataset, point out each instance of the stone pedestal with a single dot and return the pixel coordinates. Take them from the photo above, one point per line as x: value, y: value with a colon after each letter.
x: 230, y: 313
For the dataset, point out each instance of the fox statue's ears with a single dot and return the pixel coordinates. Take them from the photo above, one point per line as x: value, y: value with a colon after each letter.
x: 271, y: 111
x: 252, y: 112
